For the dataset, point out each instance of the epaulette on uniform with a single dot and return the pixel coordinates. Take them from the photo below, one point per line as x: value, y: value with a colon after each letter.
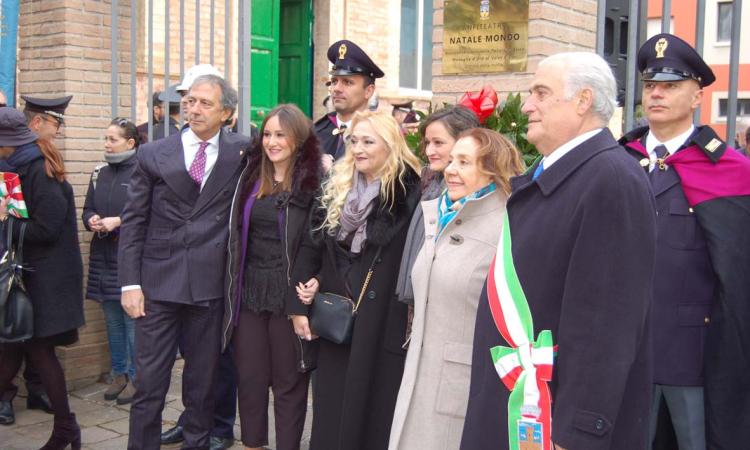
x: 711, y: 144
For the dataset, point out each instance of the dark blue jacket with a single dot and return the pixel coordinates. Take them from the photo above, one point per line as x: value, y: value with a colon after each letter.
x: 107, y: 199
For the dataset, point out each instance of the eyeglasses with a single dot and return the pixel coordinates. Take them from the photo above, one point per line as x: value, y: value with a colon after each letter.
x: 51, y: 120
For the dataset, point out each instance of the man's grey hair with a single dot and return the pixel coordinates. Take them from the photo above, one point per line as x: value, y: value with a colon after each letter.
x: 582, y: 70
x: 228, y: 93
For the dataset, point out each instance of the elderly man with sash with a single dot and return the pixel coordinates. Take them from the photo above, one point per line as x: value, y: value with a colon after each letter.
x: 701, y: 307
x: 561, y: 353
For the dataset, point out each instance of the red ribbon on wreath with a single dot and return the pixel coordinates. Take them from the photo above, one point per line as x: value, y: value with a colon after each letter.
x: 481, y: 103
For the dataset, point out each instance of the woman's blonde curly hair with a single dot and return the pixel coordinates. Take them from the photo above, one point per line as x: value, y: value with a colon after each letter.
x: 400, y: 159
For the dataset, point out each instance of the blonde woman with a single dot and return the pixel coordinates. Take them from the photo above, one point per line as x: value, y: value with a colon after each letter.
x: 361, y: 221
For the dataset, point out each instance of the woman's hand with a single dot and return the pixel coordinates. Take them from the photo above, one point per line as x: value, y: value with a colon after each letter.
x: 94, y: 223
x: 109, y: 223
x: 327, y: 161
x: 306, y: 292
x: 302, y: 327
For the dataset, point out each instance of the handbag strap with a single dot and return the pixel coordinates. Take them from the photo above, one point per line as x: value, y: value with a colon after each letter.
x: 19, y: 247
x: 367, y: 279
x: 17, y: 253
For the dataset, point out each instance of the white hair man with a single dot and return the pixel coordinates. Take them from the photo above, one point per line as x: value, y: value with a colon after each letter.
x: 564, y: 317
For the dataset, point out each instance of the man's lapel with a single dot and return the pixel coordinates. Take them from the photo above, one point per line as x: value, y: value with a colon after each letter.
x: 227, y: 163
x: 171, y: 163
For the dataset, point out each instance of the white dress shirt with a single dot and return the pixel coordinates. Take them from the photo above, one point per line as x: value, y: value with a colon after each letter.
x: 564, y: 149
x: 190, y: 144
x: 672, y: 145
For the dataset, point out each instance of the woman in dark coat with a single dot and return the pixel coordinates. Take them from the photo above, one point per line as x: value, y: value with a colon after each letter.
x: 105, y: 200
x: 269, y: 218
x: 361, y: 222
x: 55, y: 271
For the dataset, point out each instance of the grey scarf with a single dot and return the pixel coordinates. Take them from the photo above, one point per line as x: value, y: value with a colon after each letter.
x: 414, y: 242
x: 357, y: 207
x: 117, y: 158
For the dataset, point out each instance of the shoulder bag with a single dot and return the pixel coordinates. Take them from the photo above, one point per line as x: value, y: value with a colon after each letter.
x: 16, y: 310
x: 332, y: 316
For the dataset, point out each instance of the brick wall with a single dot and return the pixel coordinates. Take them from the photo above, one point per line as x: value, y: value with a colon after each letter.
x: 64, y: 49
x: 554, y: 26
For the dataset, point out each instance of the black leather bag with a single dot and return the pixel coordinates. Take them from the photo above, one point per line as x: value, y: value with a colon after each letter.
x: 16, y: 310
x: 332, y: 315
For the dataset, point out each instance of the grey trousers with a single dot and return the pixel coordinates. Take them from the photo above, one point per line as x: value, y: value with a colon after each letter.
x: 685, y: 406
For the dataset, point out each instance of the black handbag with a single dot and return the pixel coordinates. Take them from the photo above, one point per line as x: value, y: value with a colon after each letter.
x: 16, y: 310
x: 332, y: 315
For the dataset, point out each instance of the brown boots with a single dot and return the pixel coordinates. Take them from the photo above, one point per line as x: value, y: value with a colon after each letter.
x: 126, y: 396
x: 118, y: 385
x: 65, y: 432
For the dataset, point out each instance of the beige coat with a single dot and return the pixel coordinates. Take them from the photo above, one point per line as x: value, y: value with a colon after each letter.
x: 448, y: 278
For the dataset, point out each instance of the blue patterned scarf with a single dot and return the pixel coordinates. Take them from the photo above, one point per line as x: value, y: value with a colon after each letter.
x: 447, y: 209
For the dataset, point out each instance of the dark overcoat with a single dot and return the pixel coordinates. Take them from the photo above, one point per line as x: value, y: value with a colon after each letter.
x: 584, y: 236
x: 54, y: 275
x: 294, y: 210
x: 106, y: 199
x: 357, y: 384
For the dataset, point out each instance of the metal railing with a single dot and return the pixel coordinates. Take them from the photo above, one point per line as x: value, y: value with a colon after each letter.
x: 635, y: 38
x: 204, y: 9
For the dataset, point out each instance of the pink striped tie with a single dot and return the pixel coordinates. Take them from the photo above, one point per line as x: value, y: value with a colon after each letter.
x: 199, y: 164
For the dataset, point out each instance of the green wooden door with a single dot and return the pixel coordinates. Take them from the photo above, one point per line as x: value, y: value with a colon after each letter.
x: 295, y: 54
x: 264, y: 88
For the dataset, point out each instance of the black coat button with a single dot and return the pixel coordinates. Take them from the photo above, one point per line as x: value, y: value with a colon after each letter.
x: 371, y: 295
x: 218, y: 218
x: 599, y: 425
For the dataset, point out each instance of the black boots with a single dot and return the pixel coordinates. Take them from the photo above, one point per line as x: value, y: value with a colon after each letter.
x: 66, y: 432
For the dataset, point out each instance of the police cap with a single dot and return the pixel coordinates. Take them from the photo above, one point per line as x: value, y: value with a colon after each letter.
x: 348, y: 59
x: 54, y: 107
x: 170, y: 95
x: 665, y: 57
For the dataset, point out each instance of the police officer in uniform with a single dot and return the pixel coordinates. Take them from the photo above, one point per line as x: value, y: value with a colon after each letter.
x: 700, y: 186
x: 352, y: 85
x: 45, y: 117
x: 173, y: 112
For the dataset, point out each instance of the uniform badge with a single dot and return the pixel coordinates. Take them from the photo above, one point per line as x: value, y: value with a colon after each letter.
x: 530, y: 435
x: 712, y: 145
x: 660, y: 46
x: 645, y: 162
x: 342, y: 51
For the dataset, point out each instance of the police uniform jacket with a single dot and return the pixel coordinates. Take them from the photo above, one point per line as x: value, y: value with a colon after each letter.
x: 331, y: 144
x: 583, y: 242
x: 708, y: 226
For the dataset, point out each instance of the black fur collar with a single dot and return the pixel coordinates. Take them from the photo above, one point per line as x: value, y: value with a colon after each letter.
x: 306, y: 173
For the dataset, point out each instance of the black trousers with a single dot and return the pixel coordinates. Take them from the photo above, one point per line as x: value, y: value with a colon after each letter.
x: 198, y: 329
x: 225, y: 409
x: 265, y: 356
x: 32, y: 379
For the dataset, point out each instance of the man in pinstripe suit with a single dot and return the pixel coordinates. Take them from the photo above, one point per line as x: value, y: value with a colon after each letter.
x: 171, y: 260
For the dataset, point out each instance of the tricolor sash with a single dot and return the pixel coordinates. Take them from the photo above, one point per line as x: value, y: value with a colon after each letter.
x: 10, y: 187
x: 526, y: 366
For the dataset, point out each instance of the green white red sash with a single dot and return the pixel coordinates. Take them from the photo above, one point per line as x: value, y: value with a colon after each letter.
x: 526, y: 366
